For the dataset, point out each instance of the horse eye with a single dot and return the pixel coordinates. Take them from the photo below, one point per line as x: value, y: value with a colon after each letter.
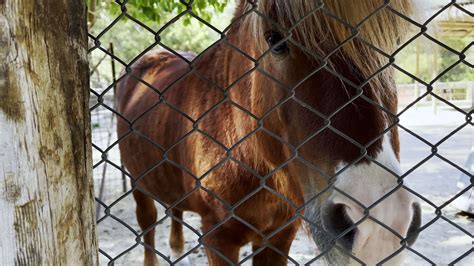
x: 274, y: 40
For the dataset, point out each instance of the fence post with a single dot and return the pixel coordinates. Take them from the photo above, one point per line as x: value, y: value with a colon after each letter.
x: 46, y: 187
x: 434, y: 72
x: 114, y: 80
x: 470, y: 94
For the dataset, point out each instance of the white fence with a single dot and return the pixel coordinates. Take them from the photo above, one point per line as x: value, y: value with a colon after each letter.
x: 460, y: 94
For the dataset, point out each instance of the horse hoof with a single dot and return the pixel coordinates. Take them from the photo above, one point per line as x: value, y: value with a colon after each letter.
x: 183, y: 262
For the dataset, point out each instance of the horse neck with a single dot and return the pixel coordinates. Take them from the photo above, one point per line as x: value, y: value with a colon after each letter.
x: 229, y: 67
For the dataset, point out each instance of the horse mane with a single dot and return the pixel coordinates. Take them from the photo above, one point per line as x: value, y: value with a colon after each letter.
x: 321, y: 33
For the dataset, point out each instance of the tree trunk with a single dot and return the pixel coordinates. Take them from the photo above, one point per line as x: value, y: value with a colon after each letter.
x: 46, y: 187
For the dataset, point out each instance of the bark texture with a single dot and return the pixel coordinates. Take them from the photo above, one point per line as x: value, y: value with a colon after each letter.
x: 46, y: 188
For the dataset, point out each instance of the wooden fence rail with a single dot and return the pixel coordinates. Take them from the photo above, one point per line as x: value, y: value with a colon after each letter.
x: 459, y: 93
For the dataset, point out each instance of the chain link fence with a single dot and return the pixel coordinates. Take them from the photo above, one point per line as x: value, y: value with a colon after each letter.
x: 122, y: 240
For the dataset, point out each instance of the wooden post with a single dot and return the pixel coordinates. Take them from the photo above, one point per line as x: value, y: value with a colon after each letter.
x: 434, y: 71
x: 114, y: 80
x: 46, y: 187
x: 470, y: 93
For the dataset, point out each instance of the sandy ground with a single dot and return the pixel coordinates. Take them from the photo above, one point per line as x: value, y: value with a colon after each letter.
x: 441, y: 242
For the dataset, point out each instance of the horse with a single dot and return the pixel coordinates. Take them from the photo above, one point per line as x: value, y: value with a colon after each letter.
x: 289, y: 118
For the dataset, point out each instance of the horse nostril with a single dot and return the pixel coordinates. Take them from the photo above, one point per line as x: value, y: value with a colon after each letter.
x: 415, y: 224
x: 335, y: 221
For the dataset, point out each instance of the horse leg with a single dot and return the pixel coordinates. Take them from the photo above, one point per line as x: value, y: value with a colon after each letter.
x: 282, y: 242
x: 176, y: 236
x: 221, y: 252
x: 220, y: 247
x: 146, y: 216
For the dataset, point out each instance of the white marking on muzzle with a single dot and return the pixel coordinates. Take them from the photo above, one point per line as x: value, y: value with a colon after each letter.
x: 367, y: 183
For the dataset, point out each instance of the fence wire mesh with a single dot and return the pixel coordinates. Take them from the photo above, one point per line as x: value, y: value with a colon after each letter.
x: 116, y: 210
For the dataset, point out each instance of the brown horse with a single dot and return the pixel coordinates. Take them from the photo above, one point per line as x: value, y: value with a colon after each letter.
x: 289, y: 117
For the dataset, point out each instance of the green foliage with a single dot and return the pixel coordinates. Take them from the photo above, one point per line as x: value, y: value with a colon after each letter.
x: 461, y: 71
x: 434, y: 59
x: 130, y: 39
x: 159, y: 10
